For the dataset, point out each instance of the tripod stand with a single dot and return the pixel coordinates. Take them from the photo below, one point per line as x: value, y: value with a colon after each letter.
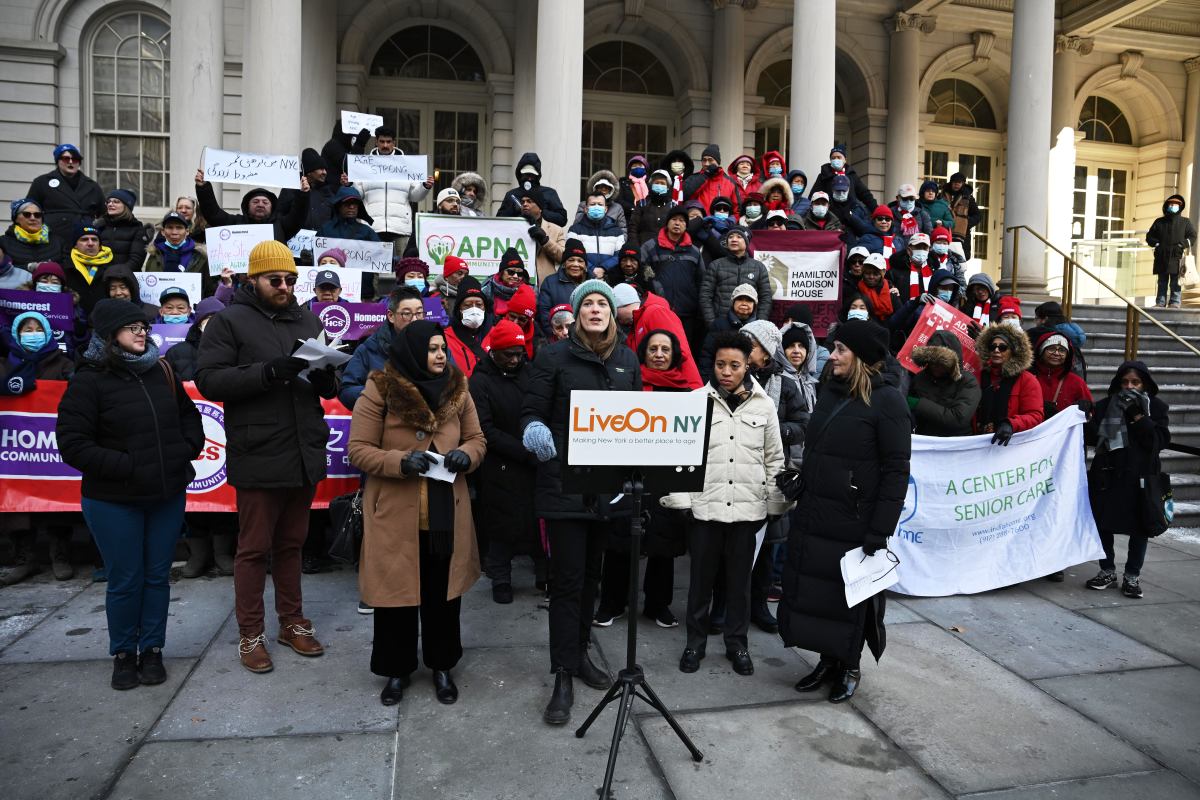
x: 632, y: 678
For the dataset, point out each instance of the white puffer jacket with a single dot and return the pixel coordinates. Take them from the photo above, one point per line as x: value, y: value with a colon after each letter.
x: 387, y: 203
x: 745, y: 453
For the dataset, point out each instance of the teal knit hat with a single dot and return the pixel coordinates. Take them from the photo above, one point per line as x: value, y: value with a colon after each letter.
x: 592, y: 287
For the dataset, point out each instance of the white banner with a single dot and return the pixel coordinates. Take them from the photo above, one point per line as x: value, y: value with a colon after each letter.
x: 351, y: 283
x: 230, y: 245
x: 303, y: 240
x: 355, y: 121
x: 390, y: 168
x: 152, y: 284
x: 797, y: 275
x: 368, y: 256
x: 480, y: 241
x: 663, y: 429
x: 254, y: 169
x: 980, y: 516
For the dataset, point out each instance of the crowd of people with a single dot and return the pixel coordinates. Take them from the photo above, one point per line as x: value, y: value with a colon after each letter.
x: 459, y: 429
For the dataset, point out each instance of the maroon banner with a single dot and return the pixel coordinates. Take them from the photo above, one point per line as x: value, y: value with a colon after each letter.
x: 816, y: 276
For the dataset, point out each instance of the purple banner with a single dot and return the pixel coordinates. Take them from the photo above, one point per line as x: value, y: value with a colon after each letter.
x: 435, y: 311
x: 58, y: 308
x: 337, y: 455
x: 350, y: 321
x: 168, y: 335
x: 29, y: 447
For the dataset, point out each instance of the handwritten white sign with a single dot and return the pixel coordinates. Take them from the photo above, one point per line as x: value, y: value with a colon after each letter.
x: 367, y: 256
x: 390, y: 168
x: 303, y: 240
x: 355, y: 121
x: 153, y: 284
x: 351, y: 283
x: 254, y: 169
x: 230, y: 245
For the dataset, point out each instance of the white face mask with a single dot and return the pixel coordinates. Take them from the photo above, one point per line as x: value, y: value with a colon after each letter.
x: 857, y: 313
x: 1012, y: 322
x: 677, y: 167
x: 472, y: 317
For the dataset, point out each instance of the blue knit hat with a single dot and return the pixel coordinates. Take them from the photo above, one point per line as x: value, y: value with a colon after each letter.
x: 15, y: 206
x: 592, y: 287
x: 65, y: 147
x: 126, y: 196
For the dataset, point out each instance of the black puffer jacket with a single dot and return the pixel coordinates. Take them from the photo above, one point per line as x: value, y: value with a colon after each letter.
x: 23, y: 253
x: 855, y: 479
x: 184, y: 356
x: 1169, y: 235
x: 648, y: 217
x: 858, y: 189
x: 285, y: 226
x: 127, y: 238
x: 506, y: 477
x: 65, y: 205
x: 131, y: 436
x: 559, y: 368
x: 276, y: 431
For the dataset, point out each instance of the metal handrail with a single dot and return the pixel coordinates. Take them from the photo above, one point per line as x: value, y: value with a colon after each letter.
x: 1132, y: 310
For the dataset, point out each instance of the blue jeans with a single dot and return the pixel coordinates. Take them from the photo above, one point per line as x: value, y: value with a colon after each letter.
x: 137, y: 543
x: 1165, y: 279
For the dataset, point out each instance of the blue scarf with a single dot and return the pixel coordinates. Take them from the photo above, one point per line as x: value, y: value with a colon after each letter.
x: 99, y: 352
x: 175, y: 258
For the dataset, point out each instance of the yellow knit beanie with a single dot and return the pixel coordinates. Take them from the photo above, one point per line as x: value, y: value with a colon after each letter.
x: 271, y: 256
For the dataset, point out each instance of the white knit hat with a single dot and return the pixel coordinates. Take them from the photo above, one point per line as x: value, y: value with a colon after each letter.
x: 765, y: 333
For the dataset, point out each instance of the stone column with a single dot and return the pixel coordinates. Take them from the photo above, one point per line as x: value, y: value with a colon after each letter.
x: 729, y: 76
x: 558, y: 97
x: 904, y: 102
x: 814, y: 36
x: 1189, y: 179
x: 1061, y: 189
x: 1026, y: 177
x: 271, y: 100
x: 524, y: 75
x: 318, y: 72
x: 197, y: 89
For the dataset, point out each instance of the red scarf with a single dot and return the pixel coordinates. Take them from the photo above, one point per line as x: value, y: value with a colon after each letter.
x: 665, y: 241
x: 879, y: 299
x: 677, y: 188
x: 908, y: 224
x: 918, y: 280
x: 981, y: 315
x: 888, y: 249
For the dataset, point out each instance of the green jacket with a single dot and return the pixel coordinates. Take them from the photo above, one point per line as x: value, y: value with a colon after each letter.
x: 939, y: 212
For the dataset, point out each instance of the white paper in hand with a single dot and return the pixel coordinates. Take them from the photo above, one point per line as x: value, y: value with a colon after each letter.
x: 321, y: 352
x: 437, y: 470
x: 866, y: 575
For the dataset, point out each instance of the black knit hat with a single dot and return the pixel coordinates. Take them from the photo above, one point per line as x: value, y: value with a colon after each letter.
x: 712, y: 150
x: 630, y: 250
x: 511, y: 259
x: 109, y: 316
x: 867, y: 340
x: 574, y: 247
x: 311, y: 160
x: 795, y: 334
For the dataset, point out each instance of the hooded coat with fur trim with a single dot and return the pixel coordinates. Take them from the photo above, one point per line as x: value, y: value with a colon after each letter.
x: 1010, y: 393
x: 944, y: 406
x: 479, y: 207
x: 778, y: 183
x: 615, y: 212
x: 391, y: 419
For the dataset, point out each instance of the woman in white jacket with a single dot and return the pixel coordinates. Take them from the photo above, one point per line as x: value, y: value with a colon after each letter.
x: 745, y: 453
x: 387, y: 203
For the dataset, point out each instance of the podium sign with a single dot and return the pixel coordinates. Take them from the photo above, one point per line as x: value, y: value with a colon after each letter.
x: 637, y: 429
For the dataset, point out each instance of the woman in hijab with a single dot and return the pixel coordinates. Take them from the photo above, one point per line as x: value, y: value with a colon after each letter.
x: 418, y: 554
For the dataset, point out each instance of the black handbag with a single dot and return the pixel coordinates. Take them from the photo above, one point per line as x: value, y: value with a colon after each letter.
x: 1158, y: 503
x: 346, y: 514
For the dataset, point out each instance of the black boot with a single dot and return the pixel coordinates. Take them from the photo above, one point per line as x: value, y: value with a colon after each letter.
x: 223, y: 545
x: 25, y: 561
x: 825, y: 672
x: 60, y: 554
x: 763, y: 619
x: 125, y: 671
x: 558, y: 710
x: 846, y: 685
x: 199, y: 553
x: 592, y: 675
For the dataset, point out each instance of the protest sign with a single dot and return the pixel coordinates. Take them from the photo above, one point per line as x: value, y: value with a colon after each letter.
x: 351, y: 283
x: 350, y: 321
x: 34, y: 478
x: 355, y: 121
x: 167, y: 335
x: 390, y: 168
x: 939, y: 316
x: 664, y: 429
x: 979, y: 517
x: 480, y: 241
x: 230, y: 245
x: 254, y: 169
x: 368, y: 256
x: 153, y: 284
x: 57, y: 308
x: 804, y: 266
x: 303, y: 240
x: 435, y: 311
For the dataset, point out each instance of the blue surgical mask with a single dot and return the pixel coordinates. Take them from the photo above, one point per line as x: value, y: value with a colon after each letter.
x: 908, y: 205
x: 919, y: 256
x: 595, y: 212
x: 857, y: 313
x: 941, y: 248
x: 820, y: 210
x: 837, y: 163
x: 753, y: 212
x: 47, y: 287
x: 638, y: 172
x: 33, y: 340
x: 798, y: 188
x: 1173, y: 208
x: 841, y: 197
x: 721, y: 215
x: 659, y: 189
x: 775, y: 170
x: 174, y: 319
x: 416, y: 283
x: 945, y: 295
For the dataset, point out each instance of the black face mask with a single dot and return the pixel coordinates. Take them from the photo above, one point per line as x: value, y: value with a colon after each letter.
x: 529, y: 181
x: 711, y: 169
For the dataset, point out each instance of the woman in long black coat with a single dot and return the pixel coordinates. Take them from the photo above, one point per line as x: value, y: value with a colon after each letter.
x: 1128, y: 429
x: 856, y: 461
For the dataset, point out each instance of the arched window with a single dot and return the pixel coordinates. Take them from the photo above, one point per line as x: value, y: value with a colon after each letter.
x: 775, y: 87
x: 625, y: 67
x: 129, y: 75
x: 1101, y: 121
x: 424, y: 51
x: 955, y: 102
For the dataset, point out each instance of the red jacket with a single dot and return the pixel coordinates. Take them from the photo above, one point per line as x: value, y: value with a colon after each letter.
x: 465, y: 355
x: 655, y: 314
x: 1025, y: 408
x: 719, y: 185
x: 1061, y: 387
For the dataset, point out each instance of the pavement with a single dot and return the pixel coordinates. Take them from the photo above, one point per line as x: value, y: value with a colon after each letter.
x: 1042, y: 690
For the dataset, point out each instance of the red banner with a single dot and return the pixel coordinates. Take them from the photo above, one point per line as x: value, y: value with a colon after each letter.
x: 33, y: 476
x: 940, y: 316
x: 805, y: 267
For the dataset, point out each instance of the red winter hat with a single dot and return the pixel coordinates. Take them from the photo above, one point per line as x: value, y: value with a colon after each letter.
x: 940, y: 232
x: 506, y: 334
x: 451, y: 265
x: 523, y: 301
x: 1010, y: 305
x: 881, y: 211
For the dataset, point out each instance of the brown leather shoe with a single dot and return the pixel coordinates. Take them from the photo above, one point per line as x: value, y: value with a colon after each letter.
x: 253, y: 651
x: 300, y: 637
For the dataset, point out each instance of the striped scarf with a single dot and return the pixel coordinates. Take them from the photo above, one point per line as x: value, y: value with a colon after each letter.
x: 41, y: 237
x: 918, y: 280
x: 981, y: 315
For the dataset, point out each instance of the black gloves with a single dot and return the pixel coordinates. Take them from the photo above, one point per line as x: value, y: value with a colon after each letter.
x: 284, y: 368
x: 457, y: 461
x: 538, y: 235
x: 1085, y: 406
x: 324, y: 382
x: 415, y: 462
x: 1004, y: 432
x: 872, y: 544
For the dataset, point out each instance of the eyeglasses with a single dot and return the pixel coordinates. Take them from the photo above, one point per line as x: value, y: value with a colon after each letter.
x: 909, y: 198
x: 278, y: 280
x: 1055, y: 348
x: 31, y: 214
x: 998, y: 347
x: 514, y: 272
x: 136, y: 328
x: 410, y: 314
x: 71, y: 159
